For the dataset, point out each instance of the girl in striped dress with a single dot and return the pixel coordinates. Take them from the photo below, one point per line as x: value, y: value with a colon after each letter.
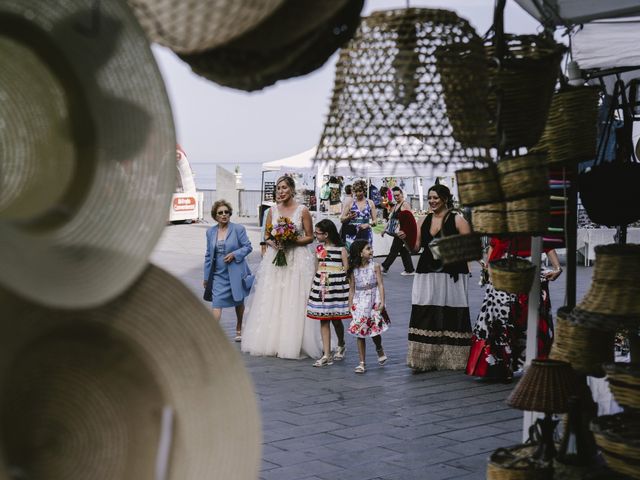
x: 329, y: 296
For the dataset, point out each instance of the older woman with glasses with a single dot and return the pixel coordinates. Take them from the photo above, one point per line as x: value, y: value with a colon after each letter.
x: 225, y: 264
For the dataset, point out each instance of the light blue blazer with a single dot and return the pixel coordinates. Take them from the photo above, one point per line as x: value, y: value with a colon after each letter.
x: 236, y: 242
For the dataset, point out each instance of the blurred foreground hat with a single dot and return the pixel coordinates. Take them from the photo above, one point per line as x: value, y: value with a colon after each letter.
x: 146, y: 386
x: 297, y: 39
x: 191, y: 26
x: 87, y: 150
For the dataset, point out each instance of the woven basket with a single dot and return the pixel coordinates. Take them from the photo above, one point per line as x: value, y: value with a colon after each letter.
x: 478, y: 186
x: 618, y: 436
x: 586, y: 349
x: 490, y: 218
x: 615, y: 288
x: 526, y: 78
x: 515, y: 463
x: 460, y: 248
x: 528, y: 215
x: 523, y: 176
x: 570, y: 134
x: 513, y: 275
x: 602, y: 321
x: 624, y: 383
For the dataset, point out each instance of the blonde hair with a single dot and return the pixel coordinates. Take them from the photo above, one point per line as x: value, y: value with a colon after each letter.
x: 291, y: 183
x: 220, y: 203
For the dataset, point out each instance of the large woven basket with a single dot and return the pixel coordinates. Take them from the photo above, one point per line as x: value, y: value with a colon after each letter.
x: 490, y: 218
x: 515, y: 463
x: 525, y: 79
x: 615, y: 289
x: 586, y: 349
x: 524, y: 176
x: 513, y: 275
x: 570, y: 133
x: 478, y: 186
x: 624, y: 383
x: 618, y: 436
x: 528, y: 215
x: 460, y: 248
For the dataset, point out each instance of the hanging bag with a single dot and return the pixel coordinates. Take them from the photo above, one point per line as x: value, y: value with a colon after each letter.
x: 608, y: 189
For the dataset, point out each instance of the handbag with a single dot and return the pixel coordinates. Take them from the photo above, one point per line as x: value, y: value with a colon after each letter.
x: 608, y: 190
x: 208, y: 289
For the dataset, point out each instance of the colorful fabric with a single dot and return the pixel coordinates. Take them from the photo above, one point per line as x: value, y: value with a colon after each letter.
x: 367, y: 320
x: 362, y: 217
x: 329, y: 297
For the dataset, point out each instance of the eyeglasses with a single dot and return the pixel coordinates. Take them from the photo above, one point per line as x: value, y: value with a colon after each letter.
x: 223, y: 212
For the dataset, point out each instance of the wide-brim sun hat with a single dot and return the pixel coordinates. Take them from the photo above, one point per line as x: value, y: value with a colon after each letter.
x: 87, y: 150
x: 146, y: 386
x: 191, y: 26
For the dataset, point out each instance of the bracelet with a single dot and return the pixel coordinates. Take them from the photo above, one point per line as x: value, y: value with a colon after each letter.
x: 262, y: 244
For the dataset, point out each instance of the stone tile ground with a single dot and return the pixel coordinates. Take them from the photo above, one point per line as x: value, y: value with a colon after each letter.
x: 331, y: 424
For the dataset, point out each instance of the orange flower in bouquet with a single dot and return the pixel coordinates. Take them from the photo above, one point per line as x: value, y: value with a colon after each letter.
x: 284, y: 233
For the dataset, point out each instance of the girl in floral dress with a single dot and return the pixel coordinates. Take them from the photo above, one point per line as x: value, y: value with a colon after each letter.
x: 329, y: 296
x: 366, y: 300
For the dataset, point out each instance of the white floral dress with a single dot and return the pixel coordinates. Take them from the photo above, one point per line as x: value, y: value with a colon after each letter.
x: 366, y: 320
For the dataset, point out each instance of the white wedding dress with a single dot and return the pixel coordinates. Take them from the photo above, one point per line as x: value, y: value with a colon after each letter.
x: 275, y: 321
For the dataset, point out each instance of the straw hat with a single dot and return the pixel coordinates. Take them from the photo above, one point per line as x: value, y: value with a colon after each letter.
x: 145, y: 384
x: 87, y: 150
x: 196, y: 25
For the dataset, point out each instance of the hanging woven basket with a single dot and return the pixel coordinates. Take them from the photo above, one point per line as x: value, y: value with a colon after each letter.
x: 570, y: 134
x: 586, y: 349
x: 525, y: 80
x: 390, y: 102
x: 478, y: 186
x: 523, y: 176
x: 459, y: 248
x: 528, y: 215
x: 516, y: 463
x: 618, y: 437
x: 624, y: 383
x: 512, y: 275
x: 490, y: 219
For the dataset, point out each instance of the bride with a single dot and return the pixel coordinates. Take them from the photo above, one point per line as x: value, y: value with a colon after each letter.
x: 275, y: 321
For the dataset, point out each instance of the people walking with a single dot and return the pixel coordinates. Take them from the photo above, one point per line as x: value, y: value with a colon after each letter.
x: 398, y: 246
x: 440, y: 326
x: 329, y: 297
x: 366, y: 299
x: 225, y: 262
x: 358, y: 216
x: 276, y: 320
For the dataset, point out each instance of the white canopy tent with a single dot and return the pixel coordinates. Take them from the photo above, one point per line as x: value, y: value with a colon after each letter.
x: 573, y: 12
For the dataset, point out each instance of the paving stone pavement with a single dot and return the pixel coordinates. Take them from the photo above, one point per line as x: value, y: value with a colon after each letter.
x: 331, y: 424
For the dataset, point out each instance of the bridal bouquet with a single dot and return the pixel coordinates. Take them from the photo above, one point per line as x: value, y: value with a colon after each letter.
x: 283, y: 232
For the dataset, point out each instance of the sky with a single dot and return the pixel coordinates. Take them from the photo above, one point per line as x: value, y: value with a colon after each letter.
x: 216, y: 124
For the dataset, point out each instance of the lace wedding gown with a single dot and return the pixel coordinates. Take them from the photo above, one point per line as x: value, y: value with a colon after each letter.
x: 275, y: 321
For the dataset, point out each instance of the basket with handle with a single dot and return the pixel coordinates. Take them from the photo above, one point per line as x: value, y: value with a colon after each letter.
x: 516, y: 463
x: 512, y: 275
x: 528, y: 215
x: 524, y: 176
x: 478, y: 186
x: 490, y: 218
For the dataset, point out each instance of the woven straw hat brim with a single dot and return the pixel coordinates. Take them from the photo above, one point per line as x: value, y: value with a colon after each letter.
x: 249, y: 67
x: 88, y: 158
x: 83, y: 391
x: 192, y: 26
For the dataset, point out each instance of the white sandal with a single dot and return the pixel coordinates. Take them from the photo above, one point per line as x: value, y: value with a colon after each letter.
x: 382, y: 358
x: 339, y: 354
x: 323, y: 361
x: 360, y: 368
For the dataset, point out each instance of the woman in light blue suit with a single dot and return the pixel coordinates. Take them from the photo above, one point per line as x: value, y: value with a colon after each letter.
x: 227, y: 248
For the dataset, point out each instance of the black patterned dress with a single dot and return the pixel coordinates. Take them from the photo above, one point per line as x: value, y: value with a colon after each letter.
x: 329, y: 297
x: 440, y: 325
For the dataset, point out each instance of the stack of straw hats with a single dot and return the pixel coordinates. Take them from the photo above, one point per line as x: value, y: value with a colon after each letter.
x: 109, y: 368
x: 250, y: 44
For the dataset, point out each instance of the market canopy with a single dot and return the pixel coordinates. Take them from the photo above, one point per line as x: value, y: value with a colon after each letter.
x: 571, y: 12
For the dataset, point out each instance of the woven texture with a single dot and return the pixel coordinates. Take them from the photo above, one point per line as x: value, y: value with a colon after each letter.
x: 516, y: 463
x: 586, y: 349
x: 490, y: 218
x: 390, y: 102
x: 88, y: 158
x: 84, y: 390
x: 294, y: 41
x: 618, y: 436
x: 478, y: 186
x: 624, y: 383
x: 513, y: 275
x: 570, y: 134
x: 615, y: 286
x: 189, y: 26
x: 545, y: 387
x: 528, y: 215
x: 523, y: 176
x: 460, y: 248
x: 525, y: 80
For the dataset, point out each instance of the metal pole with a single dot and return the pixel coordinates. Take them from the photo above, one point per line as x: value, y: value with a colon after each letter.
x: 571, y: 232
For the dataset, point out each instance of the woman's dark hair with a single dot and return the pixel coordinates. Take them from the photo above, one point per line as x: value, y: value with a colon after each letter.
x: 347, y: 189
x: 444, y: 193
x: 355, y: 255
x: 328, y: 227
